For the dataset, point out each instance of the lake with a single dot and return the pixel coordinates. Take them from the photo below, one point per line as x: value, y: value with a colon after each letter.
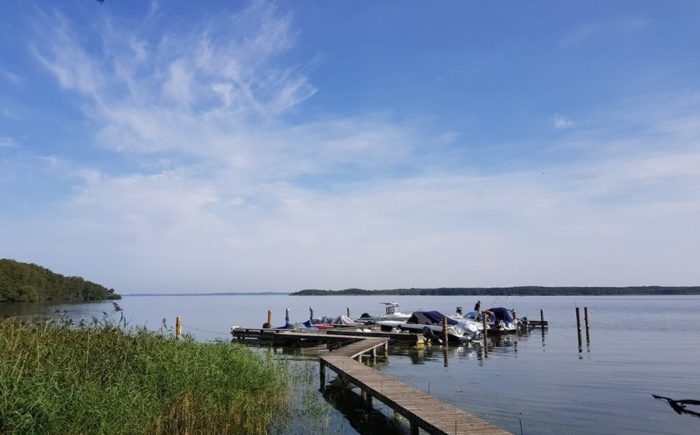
x: 640, y: 345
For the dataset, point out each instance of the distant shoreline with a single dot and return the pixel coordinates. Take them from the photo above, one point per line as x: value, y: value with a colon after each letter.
x: 211, y: 294
x: 510, y: 291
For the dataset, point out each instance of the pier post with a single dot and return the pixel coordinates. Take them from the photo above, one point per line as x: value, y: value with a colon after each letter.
x: 485, y: 334
x: 178, y: 327
x: 347, y: 310
x: 322, y: 374
x: 578, y: 327
x: 585, y: 318
x: 444, y: 330
x: 542, y: 317
x: 269, y: 318
x: 286, y: 317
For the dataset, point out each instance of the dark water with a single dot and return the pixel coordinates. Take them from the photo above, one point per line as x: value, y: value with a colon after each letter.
x: 639, y: 346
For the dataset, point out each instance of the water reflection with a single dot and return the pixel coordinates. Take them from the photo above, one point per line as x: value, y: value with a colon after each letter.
x: 363, y: 418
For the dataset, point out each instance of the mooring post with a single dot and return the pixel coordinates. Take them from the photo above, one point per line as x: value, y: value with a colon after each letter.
x: 445, y: 356
x: 585, y: 318
x: 485, y: 334
x: 178, y: 327
x: 444, y: 330
x: 578, y: 327
x: 542, y: 317
x: 347, y: 310
x: 322, y: 374
x: 269, y: 318
x: 286, y: 317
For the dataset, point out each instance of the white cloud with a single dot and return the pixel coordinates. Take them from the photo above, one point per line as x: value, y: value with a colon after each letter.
x: 561, y: 122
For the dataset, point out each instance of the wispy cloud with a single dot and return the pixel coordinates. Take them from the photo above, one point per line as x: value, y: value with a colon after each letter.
x: 7, y: 142
x: 10, y: 77
x: 595, y: 29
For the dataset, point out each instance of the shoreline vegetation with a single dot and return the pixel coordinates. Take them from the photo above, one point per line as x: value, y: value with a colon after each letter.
x: 58, y: 377
x: 28, y: 282
x: 509, y: 291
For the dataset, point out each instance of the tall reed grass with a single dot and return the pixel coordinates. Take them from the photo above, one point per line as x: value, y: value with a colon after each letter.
x: 57, y: 378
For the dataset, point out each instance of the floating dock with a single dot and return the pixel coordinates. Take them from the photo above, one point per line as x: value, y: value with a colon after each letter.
x: 420, y: 409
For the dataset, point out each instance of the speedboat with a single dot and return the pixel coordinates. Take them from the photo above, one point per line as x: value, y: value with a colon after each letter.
x: 430, y: 324
x: 392, y: 317
x: 327, y: 322
x: 501, y: 320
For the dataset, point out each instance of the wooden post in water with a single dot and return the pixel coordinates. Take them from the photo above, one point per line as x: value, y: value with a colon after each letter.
x: 347, y: 310
x: 485, y: 333
x: 286, y: 317
x: 444, y: 330
x: 269, y: 318
x: 542, y: 317
x: 322, y: 374
x: 578, y: 327
x: 445, y: 356
x: 178, y: 327
x: 585, y: 319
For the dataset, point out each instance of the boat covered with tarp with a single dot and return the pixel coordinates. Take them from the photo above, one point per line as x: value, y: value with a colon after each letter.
x: 430, y: 323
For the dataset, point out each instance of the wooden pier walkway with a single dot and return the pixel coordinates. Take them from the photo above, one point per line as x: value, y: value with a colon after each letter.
x: 290, y: 336
x: 420, y: 409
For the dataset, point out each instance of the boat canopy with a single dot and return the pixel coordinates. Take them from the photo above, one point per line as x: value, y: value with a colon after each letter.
x: 501, y: 313
x: 430, y: 318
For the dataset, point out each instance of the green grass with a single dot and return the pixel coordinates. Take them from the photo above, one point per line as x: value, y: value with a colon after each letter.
x: 56, y: 378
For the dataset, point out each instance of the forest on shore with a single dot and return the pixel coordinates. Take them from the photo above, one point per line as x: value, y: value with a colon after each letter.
x: 508, y: 291
x: 27, y: 282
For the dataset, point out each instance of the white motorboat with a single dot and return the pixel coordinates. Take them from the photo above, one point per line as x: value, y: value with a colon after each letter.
x: 430, y: 323
x: 391, y: 317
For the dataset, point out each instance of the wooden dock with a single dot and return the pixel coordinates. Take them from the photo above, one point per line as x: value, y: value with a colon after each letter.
x: 420, y: 409
x: 296, y: 338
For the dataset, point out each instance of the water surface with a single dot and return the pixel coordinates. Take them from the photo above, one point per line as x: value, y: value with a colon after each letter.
x: 639, y: 346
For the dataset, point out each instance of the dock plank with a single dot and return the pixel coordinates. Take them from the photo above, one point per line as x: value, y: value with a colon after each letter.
x: 418, y: 407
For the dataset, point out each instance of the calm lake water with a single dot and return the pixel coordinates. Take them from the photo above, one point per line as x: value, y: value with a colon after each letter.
x: 640, y: 345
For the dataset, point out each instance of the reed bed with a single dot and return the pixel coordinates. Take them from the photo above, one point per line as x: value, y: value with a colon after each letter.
x: 59, y: 378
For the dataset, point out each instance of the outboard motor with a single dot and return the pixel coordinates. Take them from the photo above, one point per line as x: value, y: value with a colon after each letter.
x: 459, y: 311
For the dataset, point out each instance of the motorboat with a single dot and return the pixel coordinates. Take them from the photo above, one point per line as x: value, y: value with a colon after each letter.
x: 392, y: 317
x: 430, y: 324
x: 498, y: 320
x: 327, y: 322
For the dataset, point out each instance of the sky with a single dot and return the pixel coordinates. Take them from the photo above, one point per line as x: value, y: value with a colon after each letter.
x: 178, y: 146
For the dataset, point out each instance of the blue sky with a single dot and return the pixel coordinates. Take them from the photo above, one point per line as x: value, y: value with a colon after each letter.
x: 230, y: 145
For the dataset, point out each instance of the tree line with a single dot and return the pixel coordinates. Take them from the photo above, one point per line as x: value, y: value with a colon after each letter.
x: 25, y: 282
x: 508, y: 291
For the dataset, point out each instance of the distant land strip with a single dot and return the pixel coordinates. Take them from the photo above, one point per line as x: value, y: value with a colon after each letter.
x: 212, y: 294
x: 508, y: 291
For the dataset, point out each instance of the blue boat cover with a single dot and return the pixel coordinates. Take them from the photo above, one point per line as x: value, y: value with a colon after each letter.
x: 501, y: 313
x: 430, y: 318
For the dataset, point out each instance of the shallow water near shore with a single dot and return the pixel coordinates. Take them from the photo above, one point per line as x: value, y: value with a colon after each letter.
x: 640, y: 345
